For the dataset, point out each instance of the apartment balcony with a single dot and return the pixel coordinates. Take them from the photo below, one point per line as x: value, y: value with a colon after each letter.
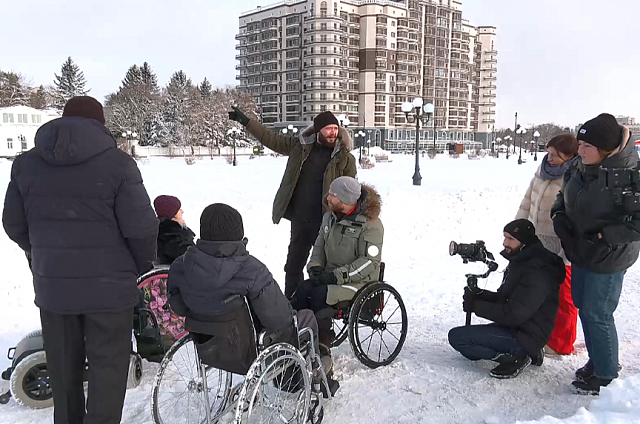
x: 328, y: 16
x: 488, y: 121
x: 491, y: 61
x: 493, y: 52
x: 488, y: 86
x: 490, y: 78
x: 241, y: 36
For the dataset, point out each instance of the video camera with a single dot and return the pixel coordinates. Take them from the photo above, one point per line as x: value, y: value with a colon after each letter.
x: 624, y: 185
x: 474, y: 252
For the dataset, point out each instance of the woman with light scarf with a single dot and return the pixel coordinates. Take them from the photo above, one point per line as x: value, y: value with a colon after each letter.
x: 535, y: 207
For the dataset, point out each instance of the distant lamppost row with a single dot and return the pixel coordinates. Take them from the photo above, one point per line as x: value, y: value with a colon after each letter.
x: 418, y: 115
x: 507, y: 140
x: 521, y: 131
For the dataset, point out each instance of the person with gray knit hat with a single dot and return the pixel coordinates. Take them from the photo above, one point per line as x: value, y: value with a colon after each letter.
x: 317, y: 156
x: 601, y: 238
x: 347, y: 252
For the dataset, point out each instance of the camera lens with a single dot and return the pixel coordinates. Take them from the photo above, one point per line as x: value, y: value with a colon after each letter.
x: 453, y: 248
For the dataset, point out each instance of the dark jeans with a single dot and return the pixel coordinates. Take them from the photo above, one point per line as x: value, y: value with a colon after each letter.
x: 105, y: 341
x: 314, y: 298
x: 477, y: 342
x: 303, y: 236
x: 596, y: 296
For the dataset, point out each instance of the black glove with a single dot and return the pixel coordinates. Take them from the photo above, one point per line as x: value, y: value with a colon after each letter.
x: 325, y: 279
x: 238, y: 116
x: 315, y: 271
x: 468, y: 300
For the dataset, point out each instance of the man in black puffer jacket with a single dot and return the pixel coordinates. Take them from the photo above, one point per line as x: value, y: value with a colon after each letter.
x: 208, y: 285
x: 523, y: 310
x: 76, y: 204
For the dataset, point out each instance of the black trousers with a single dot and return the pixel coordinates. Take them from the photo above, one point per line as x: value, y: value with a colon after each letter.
x: 303, y: 236
x: 314, y: 298
x: 105, y: 341
x: 477, y: 342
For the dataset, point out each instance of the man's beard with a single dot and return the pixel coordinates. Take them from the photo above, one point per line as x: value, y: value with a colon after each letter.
x: 322, y: 140
x: 510, y: 253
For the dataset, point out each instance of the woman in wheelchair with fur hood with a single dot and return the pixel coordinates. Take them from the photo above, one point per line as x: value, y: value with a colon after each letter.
x: 209, y: 284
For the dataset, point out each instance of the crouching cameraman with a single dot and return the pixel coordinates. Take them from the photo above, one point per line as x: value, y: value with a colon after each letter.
x: 523, y: 310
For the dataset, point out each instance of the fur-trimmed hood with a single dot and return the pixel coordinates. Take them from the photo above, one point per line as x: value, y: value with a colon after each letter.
x: 369, y: 203
x: 309, y: 136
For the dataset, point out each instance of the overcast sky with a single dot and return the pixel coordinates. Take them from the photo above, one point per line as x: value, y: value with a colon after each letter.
x: 559, y: 60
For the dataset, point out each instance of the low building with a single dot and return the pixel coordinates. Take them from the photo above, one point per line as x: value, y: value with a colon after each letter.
x: 633, y: 126
x: 18, y: 127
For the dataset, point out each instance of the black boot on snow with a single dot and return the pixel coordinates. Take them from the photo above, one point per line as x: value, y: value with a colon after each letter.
x: 586, y: 371
x: 538, y: 359
x: 590, y: 386
x: 510, y: 366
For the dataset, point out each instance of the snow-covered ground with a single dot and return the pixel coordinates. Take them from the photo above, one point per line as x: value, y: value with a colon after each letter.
x: 462, y: 200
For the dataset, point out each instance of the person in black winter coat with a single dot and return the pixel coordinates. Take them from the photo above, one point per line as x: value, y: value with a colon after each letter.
x: 523, y: 310
x: 601, y: 237
x: 174, y: 237
x: 76, y: 204
x: 209, y: 284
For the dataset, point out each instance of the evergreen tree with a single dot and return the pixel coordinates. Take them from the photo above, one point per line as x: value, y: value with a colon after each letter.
x: 38, y: 99
x: 14, y: 90
x: 205, y: 88
x: 177, y: 111
x: 133, y: 78
x: 149, y: 77
x: 69, y: 84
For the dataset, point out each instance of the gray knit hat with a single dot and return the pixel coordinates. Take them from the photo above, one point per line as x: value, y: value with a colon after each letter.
x: 346, y: 189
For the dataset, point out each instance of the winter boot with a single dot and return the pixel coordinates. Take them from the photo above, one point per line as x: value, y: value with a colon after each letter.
x: 538, y: 359
x: 325, y: 358
x: 590, y: 386
x: 510, y: 366
x: 586, y: 371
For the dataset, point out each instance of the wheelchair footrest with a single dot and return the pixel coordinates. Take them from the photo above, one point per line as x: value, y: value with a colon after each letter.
x: 334, y: 385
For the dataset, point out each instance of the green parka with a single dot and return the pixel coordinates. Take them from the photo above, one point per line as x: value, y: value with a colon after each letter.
x: 298, y: 149
x: 351, y: 248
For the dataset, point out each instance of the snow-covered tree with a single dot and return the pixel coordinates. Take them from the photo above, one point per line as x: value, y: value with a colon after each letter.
x: 133, y: 77
x: 178, y: 103
x: 205, y: 88
x: 39, y: 98
x: 14, y: 89
x: 70, y: 83
x: 149, y: 78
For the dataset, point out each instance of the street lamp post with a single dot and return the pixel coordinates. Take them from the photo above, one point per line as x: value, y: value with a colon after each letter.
x: 499, y: 141
x: 418, y: 113
x: 536, y: 136
x: 507, y: 140
x: 360, y: 139
x: 521, y: 131
x: 234, y: 133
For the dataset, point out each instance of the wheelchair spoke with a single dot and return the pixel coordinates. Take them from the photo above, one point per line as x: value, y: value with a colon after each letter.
x: 385, y: 344
x: 394, y: 336
x: 394, y: 312
x: 380, y: 349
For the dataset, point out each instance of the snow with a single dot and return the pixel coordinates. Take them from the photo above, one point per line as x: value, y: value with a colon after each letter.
x: 461, y: 200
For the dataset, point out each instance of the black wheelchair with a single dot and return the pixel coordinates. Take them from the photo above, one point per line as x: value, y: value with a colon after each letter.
x: 285, y: 383
x: 375, y: 311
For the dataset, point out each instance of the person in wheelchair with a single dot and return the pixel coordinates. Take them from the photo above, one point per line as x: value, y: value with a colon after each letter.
x: 346, y: 254
x: 174, y: 237
x: 208, y: 285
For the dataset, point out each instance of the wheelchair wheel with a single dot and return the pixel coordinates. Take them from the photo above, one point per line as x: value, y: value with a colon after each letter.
x: 30, y: 384
x: 377, y: 325
x: 180, y: 388
x: 277, y: 388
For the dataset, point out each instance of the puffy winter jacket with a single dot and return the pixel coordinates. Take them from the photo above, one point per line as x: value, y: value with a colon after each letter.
x: 173, y: 241
x: 351, y: 247
x: 77, y: 204
x: 591, y: 209
x: 536, y: 207
x: 209, y: 281
x: 342, y: 162
x: 527, y: 301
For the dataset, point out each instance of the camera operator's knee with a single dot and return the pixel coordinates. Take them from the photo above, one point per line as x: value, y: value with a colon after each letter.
x: 456, y: 337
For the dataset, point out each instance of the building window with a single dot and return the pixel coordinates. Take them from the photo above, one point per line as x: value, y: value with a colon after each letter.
x: 7, y: 118
x: 22, y: 118
x: 9, y: 143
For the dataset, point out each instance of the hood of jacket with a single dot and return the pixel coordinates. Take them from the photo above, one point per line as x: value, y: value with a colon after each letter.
x: 309, y: 136
x: 213, y: 263
x: 369, y: 203
x: 71, y: 140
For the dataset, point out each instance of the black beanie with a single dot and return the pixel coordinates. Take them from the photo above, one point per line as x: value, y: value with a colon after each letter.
x: 324, y: 119
x: 220, y: 222
x: 603, y: 132
x: 523, y: 231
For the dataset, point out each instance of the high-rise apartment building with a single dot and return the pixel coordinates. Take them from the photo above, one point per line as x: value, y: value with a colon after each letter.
x: 364, y: 58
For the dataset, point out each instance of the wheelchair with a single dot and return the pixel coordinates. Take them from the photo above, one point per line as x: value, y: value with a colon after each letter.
x: 374, y: 311
x: 284, y: 384
x: 155, y: 329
